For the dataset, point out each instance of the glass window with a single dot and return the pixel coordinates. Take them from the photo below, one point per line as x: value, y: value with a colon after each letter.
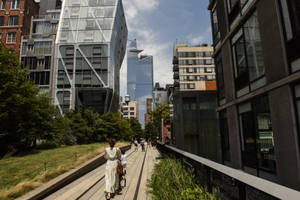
x: 75, y: 11
x: 200, y: 78
x: 90, y: 24
x: 220, y: 77
x: 13, y: 21
x: 1, y: 20
x: 258, y: 149
x: 3, y: 4
x: 182, y: 70
x: 200, y: 70
x: 211, y: 78
x: 295, y: 15
x: 131, y: 108
x: 11, y: 37
x: 224, y: 135
x: 253, y: 47
x: 210, y: 70
x: 191, y: 86
x: 247, y: 53
x: 191, y: 78
x: 215, y: 26
x: 200, y: 62
x: 15, y: 4
x: 190, y: 70
x: 297, y: 99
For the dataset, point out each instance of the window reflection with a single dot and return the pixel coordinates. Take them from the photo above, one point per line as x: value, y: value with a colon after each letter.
x: 258, y: 149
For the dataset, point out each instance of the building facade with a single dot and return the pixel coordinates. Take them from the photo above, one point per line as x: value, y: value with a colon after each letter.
x: 195, y: 126
x: 257, y: 57
x: 139, y: 78
x: 130, y: 110
x: 37, y: 48
x: 89, y: 50
x: 195, y: 70
x: 160, y: 96
x: 149, y: 110
x: 15, y: 20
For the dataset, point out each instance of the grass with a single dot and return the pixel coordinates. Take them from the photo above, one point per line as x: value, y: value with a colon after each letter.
x: 20, y: 174
x: 171, y: 180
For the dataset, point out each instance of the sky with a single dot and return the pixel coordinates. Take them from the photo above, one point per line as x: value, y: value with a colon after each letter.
x: 157, y: 24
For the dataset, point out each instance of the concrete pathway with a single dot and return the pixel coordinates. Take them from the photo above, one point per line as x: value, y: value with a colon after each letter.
x: 91, y: 186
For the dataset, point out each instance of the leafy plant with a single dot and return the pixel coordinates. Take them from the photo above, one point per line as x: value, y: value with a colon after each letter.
x: 172, y: 180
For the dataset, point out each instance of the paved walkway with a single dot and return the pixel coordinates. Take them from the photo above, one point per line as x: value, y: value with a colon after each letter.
x: 91, y: 186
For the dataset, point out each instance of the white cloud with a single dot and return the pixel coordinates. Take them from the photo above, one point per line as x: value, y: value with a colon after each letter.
x: 132, y: 7
x: 196, y: 40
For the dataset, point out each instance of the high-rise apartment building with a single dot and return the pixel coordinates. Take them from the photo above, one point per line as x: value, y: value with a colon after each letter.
x: 90, y: 47
x: 15, y: 20
x: 195, y: 70
x: 139, y: 78
x: 194, y: 101
x: 257, y: 56
x: 37, y: 48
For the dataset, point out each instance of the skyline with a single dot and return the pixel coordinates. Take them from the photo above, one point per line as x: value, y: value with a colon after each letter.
x: 154, y: 24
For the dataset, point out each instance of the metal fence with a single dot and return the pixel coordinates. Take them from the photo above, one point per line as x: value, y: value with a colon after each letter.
x: 228, y: 183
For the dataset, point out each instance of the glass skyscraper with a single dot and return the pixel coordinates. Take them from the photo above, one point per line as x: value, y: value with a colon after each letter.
x: 139, y: 78
x: 89, y: 50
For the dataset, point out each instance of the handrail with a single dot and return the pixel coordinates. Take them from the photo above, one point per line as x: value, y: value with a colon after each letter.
x: 273, y: 189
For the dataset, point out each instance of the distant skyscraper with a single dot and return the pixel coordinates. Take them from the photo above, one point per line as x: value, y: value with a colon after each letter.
x: 139, y: 78
x: 90, y: 47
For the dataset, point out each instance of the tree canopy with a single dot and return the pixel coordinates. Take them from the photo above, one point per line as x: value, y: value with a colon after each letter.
x: 153, y: 128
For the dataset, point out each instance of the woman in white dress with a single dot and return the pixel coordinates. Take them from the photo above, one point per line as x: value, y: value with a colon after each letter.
x: 112, y: 155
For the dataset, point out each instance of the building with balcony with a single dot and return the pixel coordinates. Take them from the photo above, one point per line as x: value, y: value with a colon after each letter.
x: 194, y: 101
x: 37, y: 48
x: 257, y: 57
x: 194, y: 68
x: 160, y: 96
x: 130, y: 110
x: 15, y: 20
x: 89, y: 50
x: 139, y: 78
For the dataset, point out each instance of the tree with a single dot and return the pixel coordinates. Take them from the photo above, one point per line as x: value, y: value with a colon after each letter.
x: 161, y: 112
x: 24, y: 114
x: 136, y: 128
x: 150, y: 131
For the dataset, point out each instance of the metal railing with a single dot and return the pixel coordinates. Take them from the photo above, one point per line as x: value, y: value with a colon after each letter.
x: 231, y: 183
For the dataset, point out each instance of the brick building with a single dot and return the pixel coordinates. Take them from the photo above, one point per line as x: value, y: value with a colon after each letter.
x: 15, y: 20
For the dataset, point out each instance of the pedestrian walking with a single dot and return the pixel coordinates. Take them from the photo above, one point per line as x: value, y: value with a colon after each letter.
x: 143, y: 145
x: 124, y: 161
x: 136, y: 145
x: 112, y: 155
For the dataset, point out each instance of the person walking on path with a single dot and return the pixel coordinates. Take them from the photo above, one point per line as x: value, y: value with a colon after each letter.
x: 112, y: 155
x: 136, y: 145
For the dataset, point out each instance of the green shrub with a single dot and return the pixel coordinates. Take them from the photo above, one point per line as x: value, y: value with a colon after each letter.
x: 171, y: 180
x: 47, y: 145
